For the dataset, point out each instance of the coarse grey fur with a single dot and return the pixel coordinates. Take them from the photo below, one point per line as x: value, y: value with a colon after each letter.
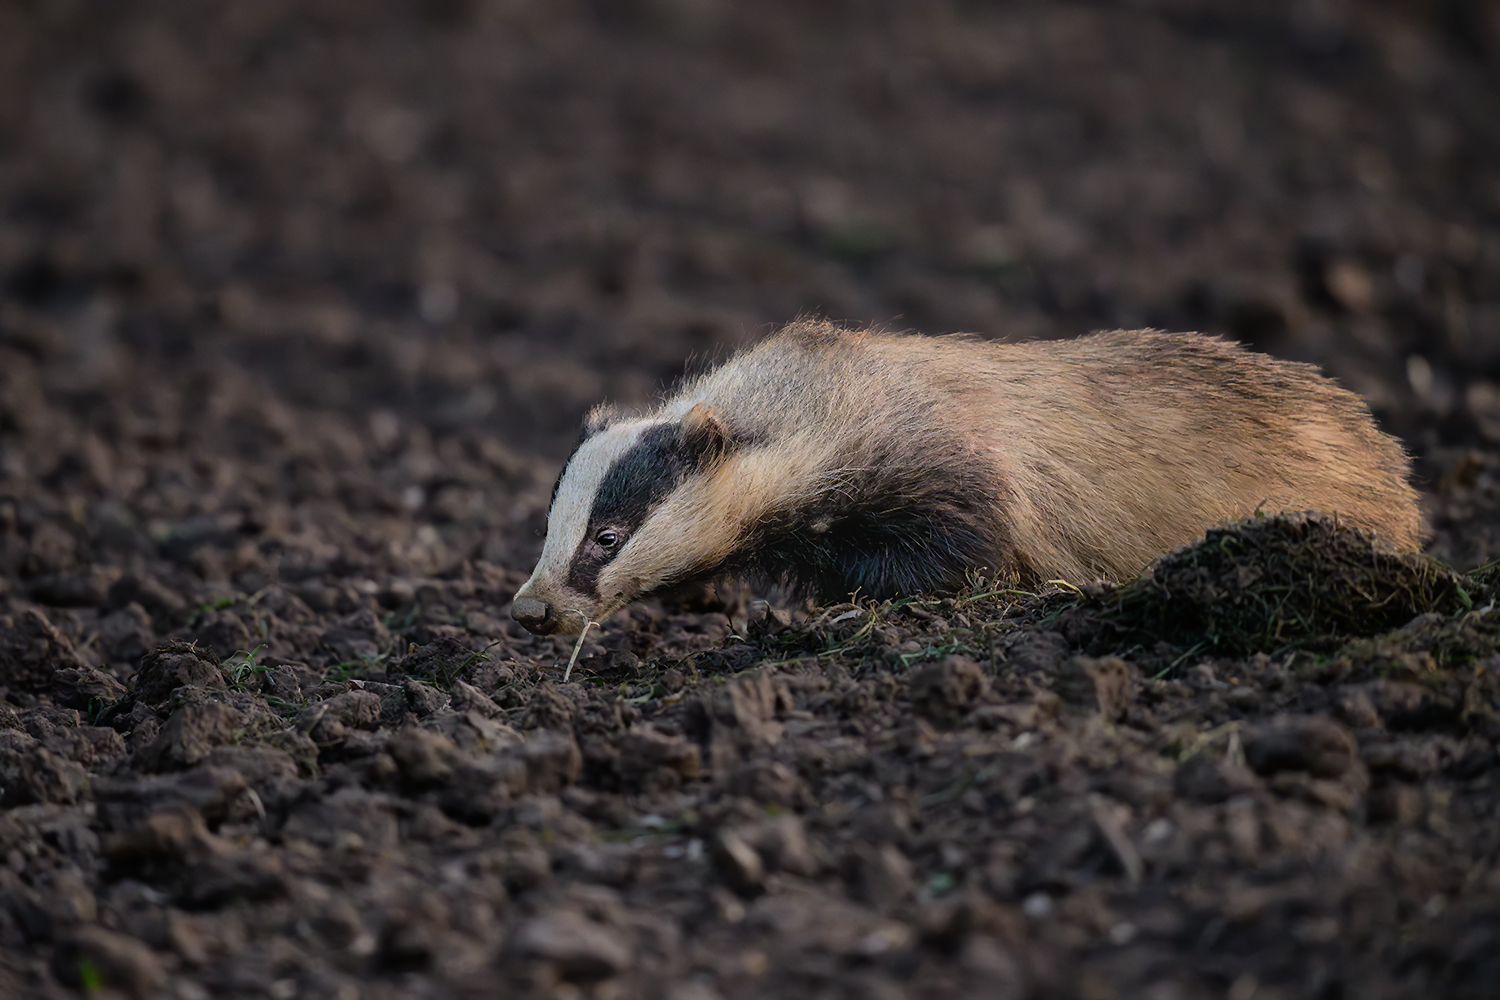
x: 888, y: 463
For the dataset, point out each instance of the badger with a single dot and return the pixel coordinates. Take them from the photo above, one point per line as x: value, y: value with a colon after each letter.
x: 881, y: 464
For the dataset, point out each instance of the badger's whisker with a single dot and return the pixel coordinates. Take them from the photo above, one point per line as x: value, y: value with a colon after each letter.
x: 578, y: 646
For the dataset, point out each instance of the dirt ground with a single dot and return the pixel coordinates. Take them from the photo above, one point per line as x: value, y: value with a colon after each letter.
x: 301, y: 303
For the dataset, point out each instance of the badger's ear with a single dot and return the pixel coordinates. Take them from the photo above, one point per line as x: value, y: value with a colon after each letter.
x: 704, y: 433
x: 599, y: 418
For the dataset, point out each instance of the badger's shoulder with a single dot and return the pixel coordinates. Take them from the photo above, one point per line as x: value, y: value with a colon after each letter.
x: 822, y: 337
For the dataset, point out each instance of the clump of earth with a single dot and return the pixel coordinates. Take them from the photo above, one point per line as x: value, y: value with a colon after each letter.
x: 300, y: 305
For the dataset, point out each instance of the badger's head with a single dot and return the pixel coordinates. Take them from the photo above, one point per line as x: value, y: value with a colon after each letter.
x: 629, y: 515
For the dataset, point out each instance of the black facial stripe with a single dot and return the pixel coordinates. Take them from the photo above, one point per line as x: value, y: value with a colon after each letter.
x: 641, y: 478
x: 638, y: 481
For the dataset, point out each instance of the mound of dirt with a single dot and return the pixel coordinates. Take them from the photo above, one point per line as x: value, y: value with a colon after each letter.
x: 1267, y: 585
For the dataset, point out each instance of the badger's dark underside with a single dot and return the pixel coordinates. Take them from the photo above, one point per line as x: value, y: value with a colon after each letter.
x: 882, y: 538
x: 301, y: 304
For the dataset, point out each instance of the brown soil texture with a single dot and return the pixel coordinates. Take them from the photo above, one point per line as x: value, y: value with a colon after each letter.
x: 301, y: 303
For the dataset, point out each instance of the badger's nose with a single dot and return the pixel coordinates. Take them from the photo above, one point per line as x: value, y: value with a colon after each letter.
x: 534, y: 614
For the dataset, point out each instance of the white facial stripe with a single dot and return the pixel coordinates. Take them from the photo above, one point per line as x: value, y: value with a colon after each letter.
x: 569, y: 517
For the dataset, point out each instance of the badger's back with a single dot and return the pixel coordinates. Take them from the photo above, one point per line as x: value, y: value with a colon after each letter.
x: 1131, y: 443
x: 1075, y: 459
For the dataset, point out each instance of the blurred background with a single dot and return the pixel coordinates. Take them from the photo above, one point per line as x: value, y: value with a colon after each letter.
x: 317, y: 291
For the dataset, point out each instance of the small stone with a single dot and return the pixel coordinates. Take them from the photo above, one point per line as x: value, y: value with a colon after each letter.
x: 1407, y: 758
x: 783, y: 844
x: 299, y: 746
x: 581, y: 949
x: 1102, y: 685
x: 1315, y: 745
x: 264, y: 768
x: 283, y: 685
x: 326, y: 721
x: 176, y: 832
x: 524, y: 867
x: 87, y: 689
x: 189, y: 736
x: 993, y: 964
x: 32, y: 650
x: 107, y: 744
x: 1203, y: 779
x: 424, y: 758
x: 1036, y: 651
x: 491, y: 677
x: 549, y: 708
x: 1038, y: 906
x: 149, y: 592
x: 68, y: 898
x: 652, y: 759
x: 357, y: 638
x: 351, y: 820
x: 125, y: 635
x: 770, y: 782
x: 741, y: 865
x: 442, y: 659
x: 1202, y: 677
x: 749, y: 705
x: 176, y: 665
x: 620, y: 663
x: 881, y: 875
x: 224, y: 632
x: 468, y: 698
x: 1349, y: 283
x: 70, y: 590
x: 94, y: 957
x: 945, y: 691
x: 484, y: 624
x: 36, y: 774
x: 1408, y: 706
x: 883, y: 940
x: 422, y: 699
x: 1244, y: 699
x: 211, y: 791
x: 1353, y: 705
x: 693, y: 990
x: 1398, y: 803
x: 553, y: 761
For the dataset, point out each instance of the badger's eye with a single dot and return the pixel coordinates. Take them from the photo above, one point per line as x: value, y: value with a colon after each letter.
x: 608, y: 538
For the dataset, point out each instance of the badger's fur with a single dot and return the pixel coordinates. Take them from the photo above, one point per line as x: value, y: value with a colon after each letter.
x: 890, y: 464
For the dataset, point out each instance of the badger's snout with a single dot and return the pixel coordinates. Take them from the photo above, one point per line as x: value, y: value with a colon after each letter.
x: 537, y: 616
